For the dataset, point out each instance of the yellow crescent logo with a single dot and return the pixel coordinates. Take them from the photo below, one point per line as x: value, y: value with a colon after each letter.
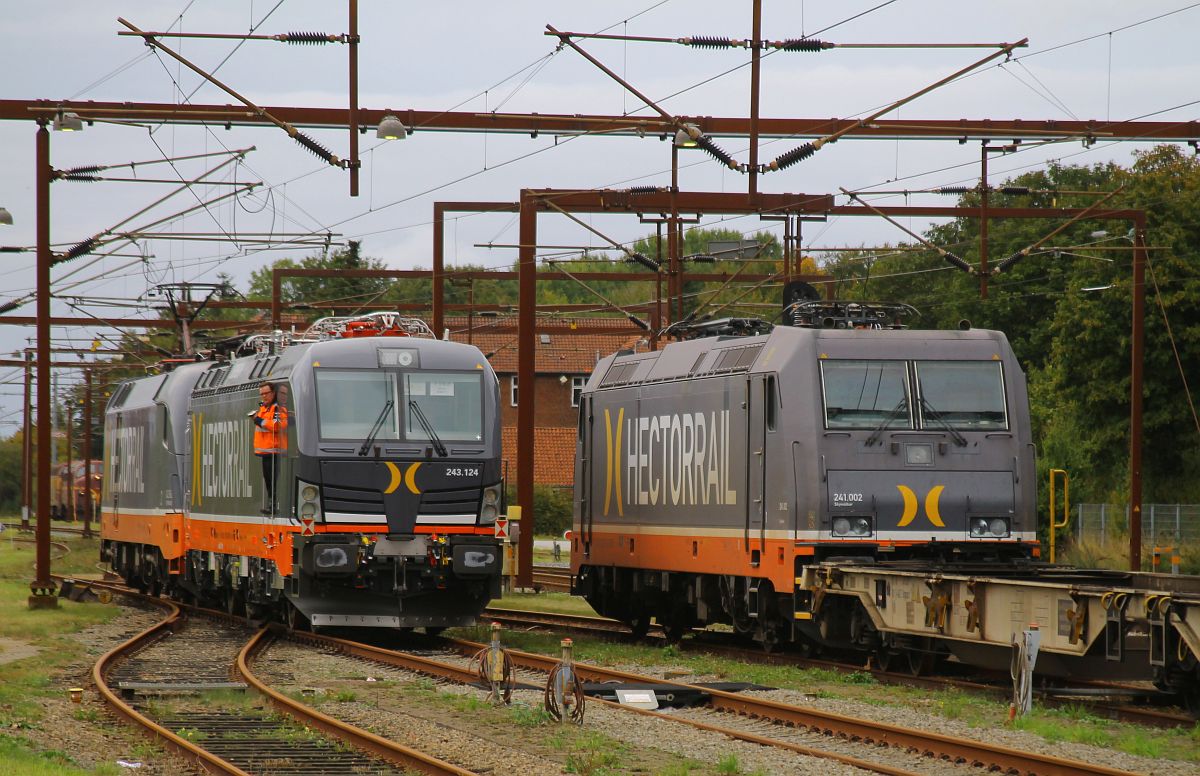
x: 910, y: 505
x: 608, y: 467
x: 612, y: 474
x: 931, y: 506
x: 410, y: 479
x: 395, y: 483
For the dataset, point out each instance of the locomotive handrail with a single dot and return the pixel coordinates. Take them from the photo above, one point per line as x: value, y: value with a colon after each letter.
x: 1054, y: 524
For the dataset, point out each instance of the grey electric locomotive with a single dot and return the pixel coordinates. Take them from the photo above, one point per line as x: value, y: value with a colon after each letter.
x: 361, y: 491
x: 710, y: 472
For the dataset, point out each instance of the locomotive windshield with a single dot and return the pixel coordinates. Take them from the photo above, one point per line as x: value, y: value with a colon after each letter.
x: 876, y: 395
x: 451, y: 403
x: 962, y: 394
x: 866, y: 394
x: 349, y: 403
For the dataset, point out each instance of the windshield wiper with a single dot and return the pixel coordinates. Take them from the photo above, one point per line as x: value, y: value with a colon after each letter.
x: 433, y: 437
x: 366, y: 445
x: 936, y: 416
x: 887, y: 421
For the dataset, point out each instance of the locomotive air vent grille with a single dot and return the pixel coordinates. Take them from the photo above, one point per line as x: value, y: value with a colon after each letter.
x: 619, y: 374
x: 696, y: 366
x: 263, y: 367
x: 747, y: 357
x: 736, y: 359
x: 218, y: 377
x: 122, y: 393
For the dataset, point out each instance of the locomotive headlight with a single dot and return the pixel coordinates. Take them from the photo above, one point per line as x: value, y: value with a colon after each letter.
x: 398, y: 357
x: 308, y: 501
x: 491, y: 496
x: 989, y: 527
x: 488, y: 513
x: 852, y: 526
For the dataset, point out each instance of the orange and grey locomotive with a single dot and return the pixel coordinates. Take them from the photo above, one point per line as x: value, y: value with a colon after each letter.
x: 709, y: 473
x: 350, y: 477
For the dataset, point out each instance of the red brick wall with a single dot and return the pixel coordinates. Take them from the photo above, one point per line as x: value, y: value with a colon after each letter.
x: 552, y: 403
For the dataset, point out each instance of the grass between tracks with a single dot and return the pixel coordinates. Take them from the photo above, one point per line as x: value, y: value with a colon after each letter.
x: 36, y: 650
x: 1065, y: 724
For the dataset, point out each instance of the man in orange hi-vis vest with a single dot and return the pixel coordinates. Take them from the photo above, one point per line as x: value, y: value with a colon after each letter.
x: 270, y: 439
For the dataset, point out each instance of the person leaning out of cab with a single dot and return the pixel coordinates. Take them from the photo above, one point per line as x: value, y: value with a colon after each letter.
x: 270, y: 438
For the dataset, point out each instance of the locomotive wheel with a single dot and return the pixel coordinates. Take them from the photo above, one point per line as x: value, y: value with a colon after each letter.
x: 639, y: 624
x: 296, y: 620
x: 434, y: 630
x: 675, y: 630
x: 235, y: 604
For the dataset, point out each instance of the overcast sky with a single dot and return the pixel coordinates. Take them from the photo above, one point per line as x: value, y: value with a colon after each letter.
x: 1097, y: 59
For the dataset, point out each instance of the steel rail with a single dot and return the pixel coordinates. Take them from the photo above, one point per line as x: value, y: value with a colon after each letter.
x: 603, y: 627
x: 437, y: 668
x: 365, y: 740
x: 957, y: 750
x: 207, y: 761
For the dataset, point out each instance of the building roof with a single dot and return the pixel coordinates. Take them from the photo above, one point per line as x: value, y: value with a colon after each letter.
x: 559, y: 351
x: 553, y: 455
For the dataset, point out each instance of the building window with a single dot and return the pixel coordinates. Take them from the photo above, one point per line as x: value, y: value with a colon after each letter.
x: 512, y: 391
x: 577, y: 384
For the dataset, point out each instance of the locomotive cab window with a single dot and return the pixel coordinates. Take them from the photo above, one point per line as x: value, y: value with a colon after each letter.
x: 350, y: 402
x: 451, y: 403
x: 866, y: 394
x: 967, y: 395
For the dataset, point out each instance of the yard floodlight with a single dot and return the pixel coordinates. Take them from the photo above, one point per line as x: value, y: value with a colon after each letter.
x: 68, y: 122
x: 687, y: 136
x: 391, y: 128
x: 5, y: 216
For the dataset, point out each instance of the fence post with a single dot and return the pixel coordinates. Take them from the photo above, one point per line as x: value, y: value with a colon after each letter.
x: 1103, y: 525
x: 1079, y: 523
x: 1153, y: 533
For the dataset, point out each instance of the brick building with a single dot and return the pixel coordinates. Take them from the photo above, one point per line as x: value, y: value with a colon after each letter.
x: 562, y: 363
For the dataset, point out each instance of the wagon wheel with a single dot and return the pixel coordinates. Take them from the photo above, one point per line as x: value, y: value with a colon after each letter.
x: 920, y: 662
x: 885, y: 658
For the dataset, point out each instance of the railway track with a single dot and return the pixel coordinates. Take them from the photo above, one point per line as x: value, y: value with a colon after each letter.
x: 191, y: 661
x: 555, y: 579
x: 604, y: 627
x: 55, y: 527
x: 739, y: 716
x: 880, y: 748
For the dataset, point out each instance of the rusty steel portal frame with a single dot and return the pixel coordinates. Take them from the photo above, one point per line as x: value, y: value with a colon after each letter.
x: 532, y: 201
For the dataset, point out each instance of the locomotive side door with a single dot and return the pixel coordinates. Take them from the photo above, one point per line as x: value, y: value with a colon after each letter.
x: 583, y: 477
x: 757, y: 407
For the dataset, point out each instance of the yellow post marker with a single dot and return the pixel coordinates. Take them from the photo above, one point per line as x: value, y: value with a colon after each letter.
x: 510, y: 545
x: 1066, y: 513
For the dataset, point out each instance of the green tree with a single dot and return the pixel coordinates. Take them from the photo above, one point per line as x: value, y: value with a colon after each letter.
x: 307, y: 293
